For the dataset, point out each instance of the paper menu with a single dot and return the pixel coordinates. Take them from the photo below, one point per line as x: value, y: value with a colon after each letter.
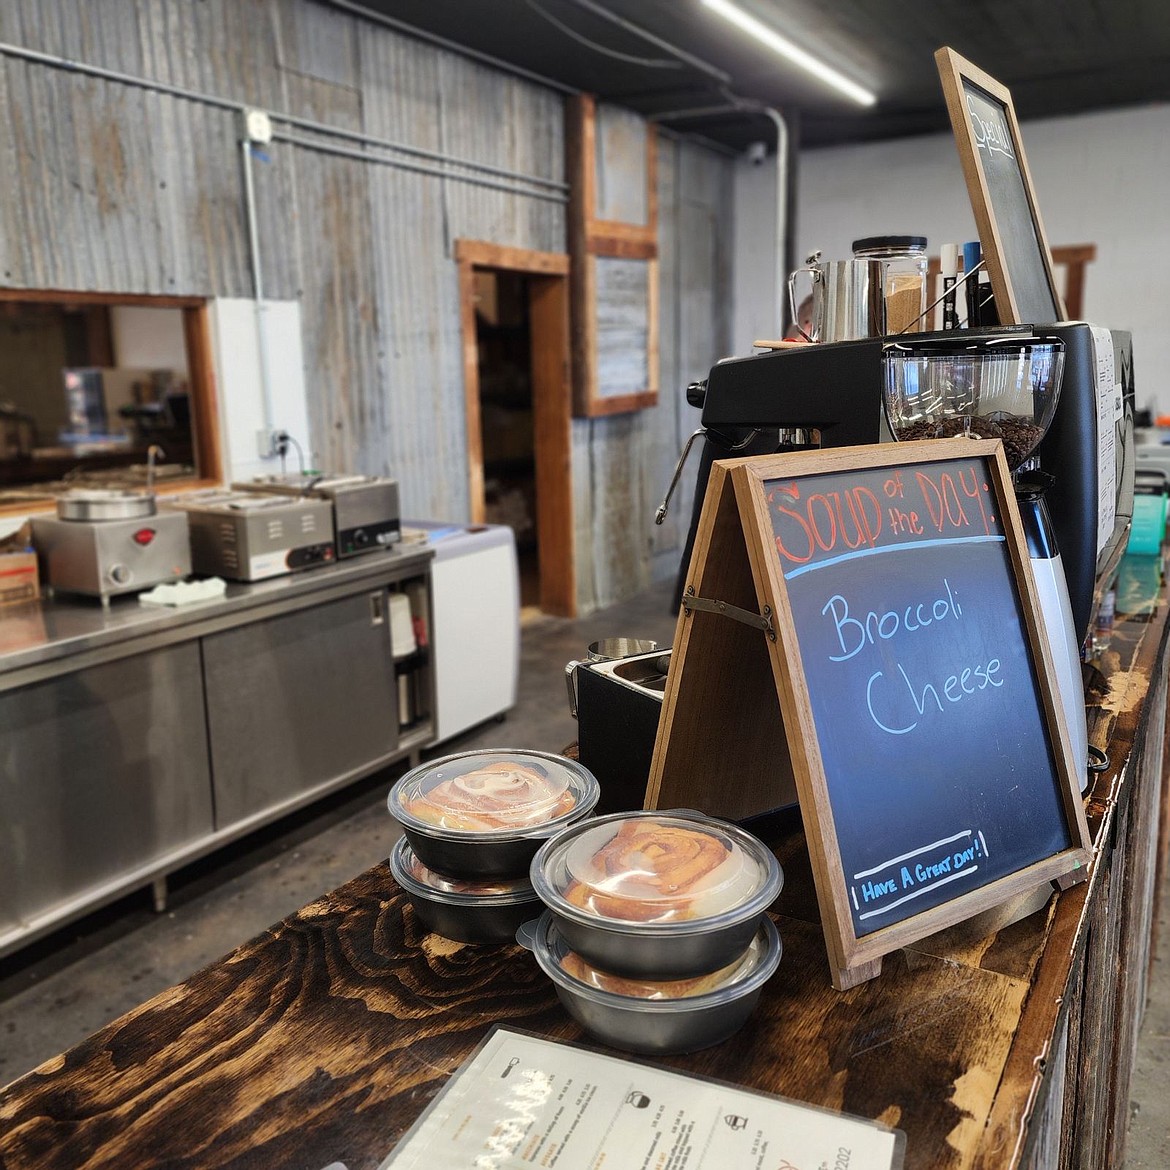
x: 525, y: 1102
x: 1110, y: 409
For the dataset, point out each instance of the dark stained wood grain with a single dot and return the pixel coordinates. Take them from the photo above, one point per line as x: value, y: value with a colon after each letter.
x: 324, y: 1038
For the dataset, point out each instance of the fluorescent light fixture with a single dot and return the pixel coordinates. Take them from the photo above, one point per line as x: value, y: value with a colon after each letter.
x: 793, y: 53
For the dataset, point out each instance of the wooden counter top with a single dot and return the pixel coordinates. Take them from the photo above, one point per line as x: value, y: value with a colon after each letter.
x: 324, y: 1038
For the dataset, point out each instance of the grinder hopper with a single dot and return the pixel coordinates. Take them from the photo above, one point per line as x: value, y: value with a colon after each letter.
x: 1005, y: 388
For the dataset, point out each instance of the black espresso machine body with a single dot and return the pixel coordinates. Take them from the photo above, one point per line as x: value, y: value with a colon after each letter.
x: 836, y: 389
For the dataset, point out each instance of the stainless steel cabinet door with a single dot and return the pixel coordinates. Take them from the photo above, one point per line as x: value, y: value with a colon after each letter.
x: 295, y: 702
x: 101, y: 772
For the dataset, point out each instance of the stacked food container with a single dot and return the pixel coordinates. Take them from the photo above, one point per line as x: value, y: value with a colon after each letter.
x: 656, y: 934
x: 472, y: 823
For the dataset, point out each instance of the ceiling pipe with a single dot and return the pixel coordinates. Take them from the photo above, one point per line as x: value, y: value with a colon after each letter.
x: 679, y: 54
x: 364, y: 10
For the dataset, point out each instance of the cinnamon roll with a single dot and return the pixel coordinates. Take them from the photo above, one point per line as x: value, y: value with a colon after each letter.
x: 659, y: 871
x: 501, y: 795
x: 573, y: 964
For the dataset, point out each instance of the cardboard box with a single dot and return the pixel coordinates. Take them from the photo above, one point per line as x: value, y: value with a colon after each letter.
x: 19, y: 581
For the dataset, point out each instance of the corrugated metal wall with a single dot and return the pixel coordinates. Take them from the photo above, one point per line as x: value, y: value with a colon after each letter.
x: 109, y: 186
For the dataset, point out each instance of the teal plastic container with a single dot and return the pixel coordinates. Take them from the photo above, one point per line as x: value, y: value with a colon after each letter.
x: 1148, y: 529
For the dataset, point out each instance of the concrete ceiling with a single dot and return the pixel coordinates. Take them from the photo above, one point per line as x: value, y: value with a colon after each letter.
x: 658, y: 56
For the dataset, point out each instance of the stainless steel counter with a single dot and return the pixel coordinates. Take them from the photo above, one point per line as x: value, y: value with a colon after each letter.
x: 55, y: 632
x: 136, y: 738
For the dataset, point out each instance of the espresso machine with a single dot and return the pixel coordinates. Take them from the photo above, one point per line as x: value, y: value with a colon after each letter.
x: 831, y: 395
x: 1076, y: 505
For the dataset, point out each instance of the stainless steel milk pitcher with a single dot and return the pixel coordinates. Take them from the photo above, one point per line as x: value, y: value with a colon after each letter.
x: 848, y: 299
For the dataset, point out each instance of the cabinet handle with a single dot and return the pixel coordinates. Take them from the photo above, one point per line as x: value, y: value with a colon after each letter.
x: 377, y: 608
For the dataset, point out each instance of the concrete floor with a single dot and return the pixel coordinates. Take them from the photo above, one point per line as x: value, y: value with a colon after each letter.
x: 56, y: 992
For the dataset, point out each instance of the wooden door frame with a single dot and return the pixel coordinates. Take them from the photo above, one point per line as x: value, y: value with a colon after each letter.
x: 548, y: 309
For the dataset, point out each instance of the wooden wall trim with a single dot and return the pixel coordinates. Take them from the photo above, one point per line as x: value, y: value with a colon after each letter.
x: 622, y: 249
x: 580, y: 148
x: 548, y: 311
x: 621, y: 233
x: 484, y: 255
x: 209, y: 460
x: 623, y: 403
x: 652, y: 179
x: 548, y: 307
x: 590, y: 238
x: 70, y: 297
x: 474, y: 424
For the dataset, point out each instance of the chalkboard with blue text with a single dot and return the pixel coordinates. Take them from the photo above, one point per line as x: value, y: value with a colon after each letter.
x: 911, y: 674
x: 1003, y: 200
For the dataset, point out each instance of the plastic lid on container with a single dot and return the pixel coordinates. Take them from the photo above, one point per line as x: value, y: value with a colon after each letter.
x: 892, y: 243
x: 755, y: 966
x: 416, y: 878
x: 653, y: 869
x: 504, y: 793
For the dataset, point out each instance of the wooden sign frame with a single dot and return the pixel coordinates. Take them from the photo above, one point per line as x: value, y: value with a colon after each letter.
x: 597, y: 244
x: 738, y: 737
x: 1008, y: 278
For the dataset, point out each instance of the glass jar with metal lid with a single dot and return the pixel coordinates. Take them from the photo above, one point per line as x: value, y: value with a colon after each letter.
x: 905, y: 262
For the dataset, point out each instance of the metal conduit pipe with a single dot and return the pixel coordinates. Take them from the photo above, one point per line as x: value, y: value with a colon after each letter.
x: 419, y: 168
x: 71, y: 66
x: 419, y: 152
x: 258, y: 293
x: 782, y: 264
x: 374, y: 17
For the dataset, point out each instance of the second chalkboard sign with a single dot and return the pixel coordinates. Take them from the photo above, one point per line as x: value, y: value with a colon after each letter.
x: 991, y: 150
x: 933, y: 767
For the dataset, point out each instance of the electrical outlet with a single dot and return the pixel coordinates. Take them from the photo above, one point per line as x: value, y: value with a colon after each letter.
x: 266, y: 442
x: 257, y: 126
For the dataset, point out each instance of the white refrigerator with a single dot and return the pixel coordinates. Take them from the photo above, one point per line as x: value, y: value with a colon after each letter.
x: 475, y: 636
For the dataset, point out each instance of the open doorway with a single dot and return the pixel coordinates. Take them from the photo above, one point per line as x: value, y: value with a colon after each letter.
x: 503, y: 338
x: 518, y: 398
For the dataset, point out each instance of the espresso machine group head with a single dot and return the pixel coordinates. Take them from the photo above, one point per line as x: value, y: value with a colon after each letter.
x: 833, y: 389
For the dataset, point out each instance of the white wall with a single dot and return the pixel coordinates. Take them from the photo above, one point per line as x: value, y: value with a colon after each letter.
x: 1100, y: 179
x: 759, y: 275
x: 236, y: 340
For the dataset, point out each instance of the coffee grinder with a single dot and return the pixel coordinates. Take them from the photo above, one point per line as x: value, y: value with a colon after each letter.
x: 1001, y: 387
x: 831, y: 395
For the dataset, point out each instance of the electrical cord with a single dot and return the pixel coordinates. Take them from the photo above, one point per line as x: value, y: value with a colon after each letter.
x: 282, y: 439
x: 629, y: 58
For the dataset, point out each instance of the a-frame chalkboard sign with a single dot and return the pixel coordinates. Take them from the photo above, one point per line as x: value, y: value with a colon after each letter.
x: 863, y: 623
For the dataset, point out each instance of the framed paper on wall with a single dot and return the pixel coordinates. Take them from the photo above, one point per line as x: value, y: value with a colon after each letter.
x: 613, y: 245
x: 1015, y: 247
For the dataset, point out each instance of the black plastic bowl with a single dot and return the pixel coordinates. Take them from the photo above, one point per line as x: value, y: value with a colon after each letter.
x: 463, y: 915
